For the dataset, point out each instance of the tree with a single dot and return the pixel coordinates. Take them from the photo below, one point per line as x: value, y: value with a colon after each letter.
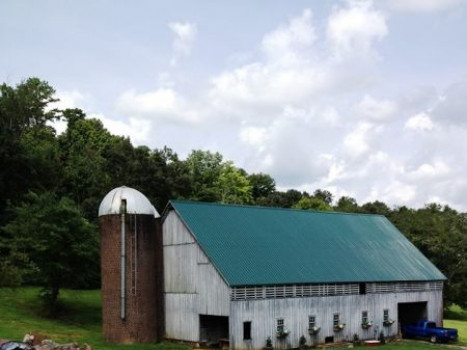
x: 204, y: 169
x: 441, y: 235
x: 324, y: 195
x: 61, y: 246
x: 376, y: 207
x: 312, y: 203
x: 262, y: 185
x: 42, y: 154
x: 86, y: 172
x: 280, y: 199
x: 233, y: 186
x: 21, y: 108
x: 347, y: 205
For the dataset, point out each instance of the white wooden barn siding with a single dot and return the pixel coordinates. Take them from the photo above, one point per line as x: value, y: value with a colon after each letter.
x: 193, y: 286
x: 295, y: 311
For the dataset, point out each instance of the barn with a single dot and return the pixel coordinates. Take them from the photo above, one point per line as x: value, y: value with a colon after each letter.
x: 241, y: 274
x: 237, y: 275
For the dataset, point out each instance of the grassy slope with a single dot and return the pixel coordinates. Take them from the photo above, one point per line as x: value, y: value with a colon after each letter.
x: 81, y: 321
x: 461, y: 329
x: 457, y: 318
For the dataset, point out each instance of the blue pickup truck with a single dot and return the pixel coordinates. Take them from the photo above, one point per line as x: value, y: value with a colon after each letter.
x: 428, y: 330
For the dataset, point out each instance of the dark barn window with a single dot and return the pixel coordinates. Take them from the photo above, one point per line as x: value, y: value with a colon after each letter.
x: 247, y: 330
x: 280, y: 325
x: 362, y: 288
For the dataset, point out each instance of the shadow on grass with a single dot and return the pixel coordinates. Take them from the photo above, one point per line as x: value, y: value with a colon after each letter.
x: 455, y: 312
x: 73, y: 307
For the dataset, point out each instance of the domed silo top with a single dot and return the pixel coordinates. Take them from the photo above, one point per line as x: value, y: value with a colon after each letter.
x: 136, y: 202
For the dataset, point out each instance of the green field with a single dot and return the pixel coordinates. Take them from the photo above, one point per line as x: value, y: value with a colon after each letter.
x: 80, y: 321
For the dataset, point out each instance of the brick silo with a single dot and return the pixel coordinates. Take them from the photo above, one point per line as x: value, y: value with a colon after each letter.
x: 131, y: 268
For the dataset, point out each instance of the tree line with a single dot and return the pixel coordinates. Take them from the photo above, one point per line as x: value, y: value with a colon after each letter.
x: 51, y: 186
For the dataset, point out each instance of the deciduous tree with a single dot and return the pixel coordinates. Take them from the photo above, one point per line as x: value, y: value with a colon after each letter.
x: 61, y: 246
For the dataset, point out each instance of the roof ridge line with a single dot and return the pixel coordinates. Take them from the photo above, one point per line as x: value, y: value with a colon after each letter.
x: 186, y: 201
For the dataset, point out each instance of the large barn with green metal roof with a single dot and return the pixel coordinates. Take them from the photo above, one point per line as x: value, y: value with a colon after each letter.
x: 239, y: 275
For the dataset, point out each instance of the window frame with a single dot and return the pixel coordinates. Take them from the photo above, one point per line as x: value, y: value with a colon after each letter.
x: 311, y: 321
x: 364, y: 317
x: 280, y: 325
x: 335, y: 320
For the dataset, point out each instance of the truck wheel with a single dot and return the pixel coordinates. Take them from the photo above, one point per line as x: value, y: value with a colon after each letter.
x: 433, y: 339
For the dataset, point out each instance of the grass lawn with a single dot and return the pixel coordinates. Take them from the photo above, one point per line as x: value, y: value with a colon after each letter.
x: 461, y: 329
x: 456, y: 317
x: 80, y: 322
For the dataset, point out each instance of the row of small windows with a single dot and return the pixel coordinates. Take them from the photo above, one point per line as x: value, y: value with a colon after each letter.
x: 312, y: 323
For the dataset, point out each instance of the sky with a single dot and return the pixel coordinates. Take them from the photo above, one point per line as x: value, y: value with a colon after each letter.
x: 364, y: 99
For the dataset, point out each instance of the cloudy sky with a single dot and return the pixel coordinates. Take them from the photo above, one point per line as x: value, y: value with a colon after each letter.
x: 366, y: 99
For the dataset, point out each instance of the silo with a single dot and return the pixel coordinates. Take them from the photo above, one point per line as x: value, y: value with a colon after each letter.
x: 131, y: 268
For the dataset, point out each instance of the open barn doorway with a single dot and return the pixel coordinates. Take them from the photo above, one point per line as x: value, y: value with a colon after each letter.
x: 411, y: 312
x: 214, y: 330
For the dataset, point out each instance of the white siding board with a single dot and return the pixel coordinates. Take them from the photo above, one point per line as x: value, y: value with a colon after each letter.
x: 295, y: 311
x: 182, y: 322
x: 180, y: 263
x: 193, y: 286
x: 176, y: 232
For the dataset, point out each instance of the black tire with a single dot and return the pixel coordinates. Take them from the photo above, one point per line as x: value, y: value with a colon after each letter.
x: 433, y: 339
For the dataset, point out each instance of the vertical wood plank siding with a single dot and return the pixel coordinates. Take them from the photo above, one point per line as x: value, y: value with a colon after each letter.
x: 263, y: 315
x: 193, y: 286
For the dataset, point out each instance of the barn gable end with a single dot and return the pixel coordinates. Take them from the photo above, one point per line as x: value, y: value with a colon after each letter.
x: 193, y: 287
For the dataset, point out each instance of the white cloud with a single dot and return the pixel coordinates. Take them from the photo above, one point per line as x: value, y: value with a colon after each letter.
x: 254, y: 136
x: 331, y: 116
x: 393, y: 192
x: 262, y: 85
x: 297, y: 69
x: 421, y: 122
x: 285, y: 76
x: 430, y: 171
x: 376, y: 110
x: 136, y: 129
x: 67, y: 99
x: 185, y: 36
x: 160, y: 101
x: 360, y: 140
x: 60, y: 126
x: 452, y: 105
x: 287, y: 44
x: 161, y: 104
x: 427, y: 6
x: 336, y: 171
x: 352, y: 31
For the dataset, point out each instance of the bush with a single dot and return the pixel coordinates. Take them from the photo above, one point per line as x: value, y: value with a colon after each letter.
x: 302, y: 342
x: 382, y: 338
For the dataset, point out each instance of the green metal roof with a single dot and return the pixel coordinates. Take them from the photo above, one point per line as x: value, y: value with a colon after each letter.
x: 261, y: 246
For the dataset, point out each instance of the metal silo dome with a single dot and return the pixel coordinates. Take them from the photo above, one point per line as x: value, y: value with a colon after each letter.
x: 136, y: 202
